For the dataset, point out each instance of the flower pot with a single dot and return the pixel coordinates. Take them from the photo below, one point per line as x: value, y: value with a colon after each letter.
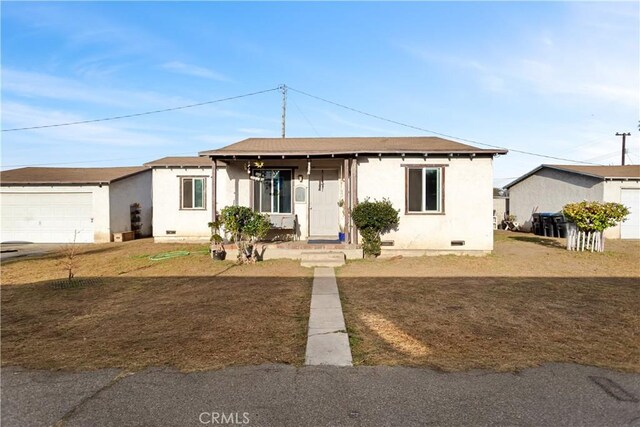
x: 341, y: 237
x: 218, y: 255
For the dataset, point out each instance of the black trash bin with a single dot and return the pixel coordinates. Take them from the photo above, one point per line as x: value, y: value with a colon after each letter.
x: 548, y: 229
x: 537, y: 224
x: 560, y: 224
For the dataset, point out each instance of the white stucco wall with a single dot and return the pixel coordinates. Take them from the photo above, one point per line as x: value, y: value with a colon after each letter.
x: 468, y: 203
x: 100, y: 195
x: 548, y: 190
x: 188, y: 224
x: 612, y: 192
x: 125, y: 192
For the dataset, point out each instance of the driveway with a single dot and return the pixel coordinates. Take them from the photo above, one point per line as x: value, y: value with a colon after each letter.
x: 274, y: 395
x: 23, y: 249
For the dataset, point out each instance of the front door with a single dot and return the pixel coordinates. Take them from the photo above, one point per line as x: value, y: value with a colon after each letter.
x: 323, y: 204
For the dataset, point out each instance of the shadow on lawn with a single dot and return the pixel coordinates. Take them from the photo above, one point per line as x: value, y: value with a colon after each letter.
x: 549, y: 242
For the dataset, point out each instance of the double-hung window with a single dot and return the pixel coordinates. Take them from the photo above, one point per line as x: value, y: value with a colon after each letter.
x: 192, y: 190
x: 272, y: 191
x: 424, y: 190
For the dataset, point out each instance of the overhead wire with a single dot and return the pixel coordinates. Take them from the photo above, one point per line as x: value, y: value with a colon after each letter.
x: 126, y: 116
x: 375, y: 116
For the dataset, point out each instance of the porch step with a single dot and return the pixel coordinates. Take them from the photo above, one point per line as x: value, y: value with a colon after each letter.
x: 322, y: 259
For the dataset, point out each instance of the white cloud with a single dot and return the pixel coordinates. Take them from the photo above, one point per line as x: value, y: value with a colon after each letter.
x: 194, y: 70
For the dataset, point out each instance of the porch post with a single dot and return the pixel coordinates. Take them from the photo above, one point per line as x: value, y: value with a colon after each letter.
x: 354, y: 194
x: 347, y: 201
x: 214, y: 182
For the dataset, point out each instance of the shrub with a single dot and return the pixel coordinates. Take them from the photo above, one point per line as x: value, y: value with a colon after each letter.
x: 246, y: 228
x: 373, y: 219
x: 595, y: 216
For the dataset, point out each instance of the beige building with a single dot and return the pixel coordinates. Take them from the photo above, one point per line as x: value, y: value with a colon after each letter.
x: 549, y: 187
x: 308, y: 186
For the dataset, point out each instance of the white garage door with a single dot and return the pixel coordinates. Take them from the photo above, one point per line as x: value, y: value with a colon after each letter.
x: 46, y: 217
x: 630, y: 229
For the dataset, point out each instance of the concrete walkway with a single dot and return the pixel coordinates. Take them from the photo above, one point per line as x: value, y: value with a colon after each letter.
x: 327, y: 342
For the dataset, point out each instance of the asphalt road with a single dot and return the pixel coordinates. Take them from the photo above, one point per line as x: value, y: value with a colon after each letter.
x: 277, y: 395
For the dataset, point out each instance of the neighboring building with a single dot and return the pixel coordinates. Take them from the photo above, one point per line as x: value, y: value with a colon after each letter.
x: 548, y: 188
x: 500, y: 206
x: 308, y: 186
x: 52, y: 205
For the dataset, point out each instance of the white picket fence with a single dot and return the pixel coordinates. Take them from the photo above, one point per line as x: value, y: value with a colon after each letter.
x: 580, y: 240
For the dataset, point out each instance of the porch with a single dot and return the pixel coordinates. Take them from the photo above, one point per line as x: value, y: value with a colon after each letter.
x: 308, y: 200
x: 300, y: 250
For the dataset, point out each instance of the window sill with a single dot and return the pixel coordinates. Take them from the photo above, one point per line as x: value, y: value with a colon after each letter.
x: 425, y: 213
x: 193, y: 209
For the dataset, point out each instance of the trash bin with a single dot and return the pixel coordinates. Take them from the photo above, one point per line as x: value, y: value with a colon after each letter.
x: 560, y: 223
x: 546, y: 220
x: 537, y: 224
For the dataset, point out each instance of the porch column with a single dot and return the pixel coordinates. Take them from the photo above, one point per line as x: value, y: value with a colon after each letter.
x: 347, y: 201
x: 354, y: 195
x: 214, y: 184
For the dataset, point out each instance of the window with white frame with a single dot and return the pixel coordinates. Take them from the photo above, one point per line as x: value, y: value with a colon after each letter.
x: 272, y: 190
x: 424, y: 190
x: 192, y: 190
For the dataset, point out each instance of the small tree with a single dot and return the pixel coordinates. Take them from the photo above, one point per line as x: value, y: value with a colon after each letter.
x: 591, y: 219
x: 373, y: 219
x: 216, y: 247
x: 246, y: 228
x: 70, y: 260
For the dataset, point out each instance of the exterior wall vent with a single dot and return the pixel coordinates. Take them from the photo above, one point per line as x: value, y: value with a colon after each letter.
x: 457, y: 243
x: 387, y: 243
x: 171, y: 231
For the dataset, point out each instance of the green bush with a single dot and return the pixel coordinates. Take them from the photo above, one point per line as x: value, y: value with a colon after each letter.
x: 373, y: 219
x: 246, y: 228
x: 595, y: 216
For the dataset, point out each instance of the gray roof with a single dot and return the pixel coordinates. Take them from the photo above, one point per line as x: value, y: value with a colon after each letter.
x: 601, y: 172
x: 346, y: 146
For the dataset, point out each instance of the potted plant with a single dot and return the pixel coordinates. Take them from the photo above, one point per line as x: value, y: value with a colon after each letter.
x: 217, y: 248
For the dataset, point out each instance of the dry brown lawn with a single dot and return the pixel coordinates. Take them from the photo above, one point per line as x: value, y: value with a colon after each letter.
x: 529, y: 303
x: 190, y: 312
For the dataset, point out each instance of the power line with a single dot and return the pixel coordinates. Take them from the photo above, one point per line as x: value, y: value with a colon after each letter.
x: 182, y: 107
x: 305, y: 117
x: 432, y: 131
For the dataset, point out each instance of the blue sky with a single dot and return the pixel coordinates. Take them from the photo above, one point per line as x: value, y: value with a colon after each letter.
x: 549, y: 77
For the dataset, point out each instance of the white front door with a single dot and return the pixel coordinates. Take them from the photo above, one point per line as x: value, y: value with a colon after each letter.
x: 630, y: 229
x: 323, y: 204
x: 47, y: 217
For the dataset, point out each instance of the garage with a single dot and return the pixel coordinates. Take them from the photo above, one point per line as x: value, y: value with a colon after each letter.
x: 63, y: 205
x: 630, y: 229
x: 47, y: 217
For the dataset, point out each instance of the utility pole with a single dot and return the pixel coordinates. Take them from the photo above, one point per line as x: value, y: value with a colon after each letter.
x: 283, y: 90
x: 624, y: 143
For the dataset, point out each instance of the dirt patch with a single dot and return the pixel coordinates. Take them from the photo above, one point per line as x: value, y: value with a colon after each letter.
x: 129, y: 312
x: 529, y: 303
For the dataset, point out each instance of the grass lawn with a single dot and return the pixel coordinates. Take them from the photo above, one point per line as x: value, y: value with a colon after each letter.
x: 189, y: 312
x: 529, y: 303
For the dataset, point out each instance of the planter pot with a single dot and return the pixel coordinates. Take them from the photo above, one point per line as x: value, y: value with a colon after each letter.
x: 218, y: 255
x: 341, y: 237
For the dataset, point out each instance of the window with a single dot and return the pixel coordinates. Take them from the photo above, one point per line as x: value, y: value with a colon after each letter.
x: 192, y: 196
x: 424, y: 190
x: 272, y: 191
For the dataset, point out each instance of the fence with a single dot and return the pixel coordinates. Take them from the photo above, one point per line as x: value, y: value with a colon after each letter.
x: 584, y: 240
